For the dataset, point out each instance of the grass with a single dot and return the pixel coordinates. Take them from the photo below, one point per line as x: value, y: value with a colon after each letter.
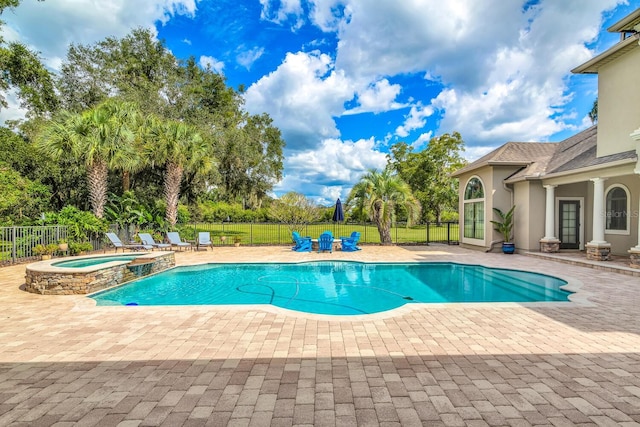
x: 279, y: 234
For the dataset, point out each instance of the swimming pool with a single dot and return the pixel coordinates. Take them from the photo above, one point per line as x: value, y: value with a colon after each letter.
x: 88, y: 262
x: 337, y: 287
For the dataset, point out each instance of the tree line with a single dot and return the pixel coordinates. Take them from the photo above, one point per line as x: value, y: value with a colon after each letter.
x: 129, y: 131
x: 125, y: 115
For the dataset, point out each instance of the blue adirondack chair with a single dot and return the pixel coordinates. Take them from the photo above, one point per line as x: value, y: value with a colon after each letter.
x: 302, y: 244
x: 325, y: 242
x: 350, y: 244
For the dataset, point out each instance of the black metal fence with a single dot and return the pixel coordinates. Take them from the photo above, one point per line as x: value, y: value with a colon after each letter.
x: 226, y: 233
x: 17, y: 243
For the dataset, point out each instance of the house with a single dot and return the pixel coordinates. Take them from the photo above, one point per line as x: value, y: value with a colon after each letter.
x: 582, y: 193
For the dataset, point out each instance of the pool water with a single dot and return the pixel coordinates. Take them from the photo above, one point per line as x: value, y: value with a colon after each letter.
x: 339, y: 288
x: 88, y: 262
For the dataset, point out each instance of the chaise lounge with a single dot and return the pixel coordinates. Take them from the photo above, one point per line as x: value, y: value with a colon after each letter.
x: 147, y: 239
x: 175, y: 240
x: 204, y: 239
x: 117, y: 243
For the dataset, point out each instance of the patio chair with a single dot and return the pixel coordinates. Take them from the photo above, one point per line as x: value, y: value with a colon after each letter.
x: 325, y: 242
x: 302, y: 244
x: 117, y: 243
x: 147, y: 239
x: 175, y: 240
x: 295, y: 237
x: 204, y: 239
x: 350, y: 244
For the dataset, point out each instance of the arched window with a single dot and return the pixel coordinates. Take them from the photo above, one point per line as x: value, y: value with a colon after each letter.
x: 617, y: 200
x: 474, y: 209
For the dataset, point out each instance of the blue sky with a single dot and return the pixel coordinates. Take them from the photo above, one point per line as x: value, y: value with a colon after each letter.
x: 346, y: 79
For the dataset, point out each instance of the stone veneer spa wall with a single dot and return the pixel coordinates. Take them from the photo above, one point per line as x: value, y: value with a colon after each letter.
x: 46, y: 279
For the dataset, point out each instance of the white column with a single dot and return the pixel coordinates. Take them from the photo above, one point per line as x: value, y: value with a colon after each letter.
x: 599, y: 214
x: 637, y: 247
x: 635, y: 135
x: 550, y: 214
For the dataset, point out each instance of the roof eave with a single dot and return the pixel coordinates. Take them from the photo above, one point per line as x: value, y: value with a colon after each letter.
x: 592, y: 66
x: 534, y: 177
x: 511, y: 163
x: 590, y: 168
x: 627, y: 23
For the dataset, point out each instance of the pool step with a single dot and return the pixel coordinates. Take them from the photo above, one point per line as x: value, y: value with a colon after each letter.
x: 519, y: 286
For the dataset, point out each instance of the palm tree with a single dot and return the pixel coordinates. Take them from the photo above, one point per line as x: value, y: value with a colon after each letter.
x: 380, y: 193
x: 100, y: 137
x: 177, y: 146
x: 593, y: 114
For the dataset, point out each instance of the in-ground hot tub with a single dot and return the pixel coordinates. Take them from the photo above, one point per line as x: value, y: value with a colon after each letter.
x: 88, y: 274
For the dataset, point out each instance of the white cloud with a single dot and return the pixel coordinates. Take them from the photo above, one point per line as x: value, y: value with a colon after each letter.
x: 416, y: 119
x: 330, y: 170
x: 302, y: 96
x: 288, y: 11
x: 14, y: 110
x: 525, y: 87
x: 248, y: 57
x: 51, y: 26
x: 504, y: 68
x: 474, y: 153
x: 212, y: 63
x: 423, y: 140
x: 377, y: 97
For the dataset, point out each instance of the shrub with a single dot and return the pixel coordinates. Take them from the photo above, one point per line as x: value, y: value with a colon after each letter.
x: 81, y: 225
x: 41, y: 249
x: 77, y: 247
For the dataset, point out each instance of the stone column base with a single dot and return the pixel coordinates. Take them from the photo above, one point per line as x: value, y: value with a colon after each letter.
x: 598, y: 251
x: 549, y: 245
x: 634, y: 257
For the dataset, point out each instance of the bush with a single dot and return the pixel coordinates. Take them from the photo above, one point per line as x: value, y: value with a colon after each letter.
x: 209, y: 211
x: 449, y: 216
x: 77, y: 247
x: 41, y: 249
x: 81, y: 225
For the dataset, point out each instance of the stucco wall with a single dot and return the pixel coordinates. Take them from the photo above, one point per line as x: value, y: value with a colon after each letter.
x: 495, y: 195
x: 529, y: 198
x: 486, y: 176
x: 621, y: 243
x: 581, y: 190
x: 618, y: 116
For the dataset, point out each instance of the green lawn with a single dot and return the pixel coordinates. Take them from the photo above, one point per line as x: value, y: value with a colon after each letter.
x: 278, y: 234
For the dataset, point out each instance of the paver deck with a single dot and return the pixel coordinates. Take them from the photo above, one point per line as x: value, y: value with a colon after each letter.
x: 65, y: 361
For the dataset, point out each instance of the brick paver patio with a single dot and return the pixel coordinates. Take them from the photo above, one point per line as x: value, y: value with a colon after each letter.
x: 64, y: 361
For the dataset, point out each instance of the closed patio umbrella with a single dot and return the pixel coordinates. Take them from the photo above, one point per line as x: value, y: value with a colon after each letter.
x: 338, y: 215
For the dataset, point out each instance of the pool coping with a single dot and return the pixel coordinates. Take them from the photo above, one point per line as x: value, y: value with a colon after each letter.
x: 578, y: 298
x: 48, y: 266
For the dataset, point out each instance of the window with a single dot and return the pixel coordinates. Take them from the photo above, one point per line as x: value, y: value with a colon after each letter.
x: 474, y: 209
x: 617, y: 200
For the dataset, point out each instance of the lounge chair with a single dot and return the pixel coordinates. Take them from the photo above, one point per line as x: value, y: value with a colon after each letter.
x: 117, y: 243
x: 325, y: 242
x: 350, y: 244
x: 302, y: 244
x: 204, y: 239
x: 175, y: 240
x: 147, y: 239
